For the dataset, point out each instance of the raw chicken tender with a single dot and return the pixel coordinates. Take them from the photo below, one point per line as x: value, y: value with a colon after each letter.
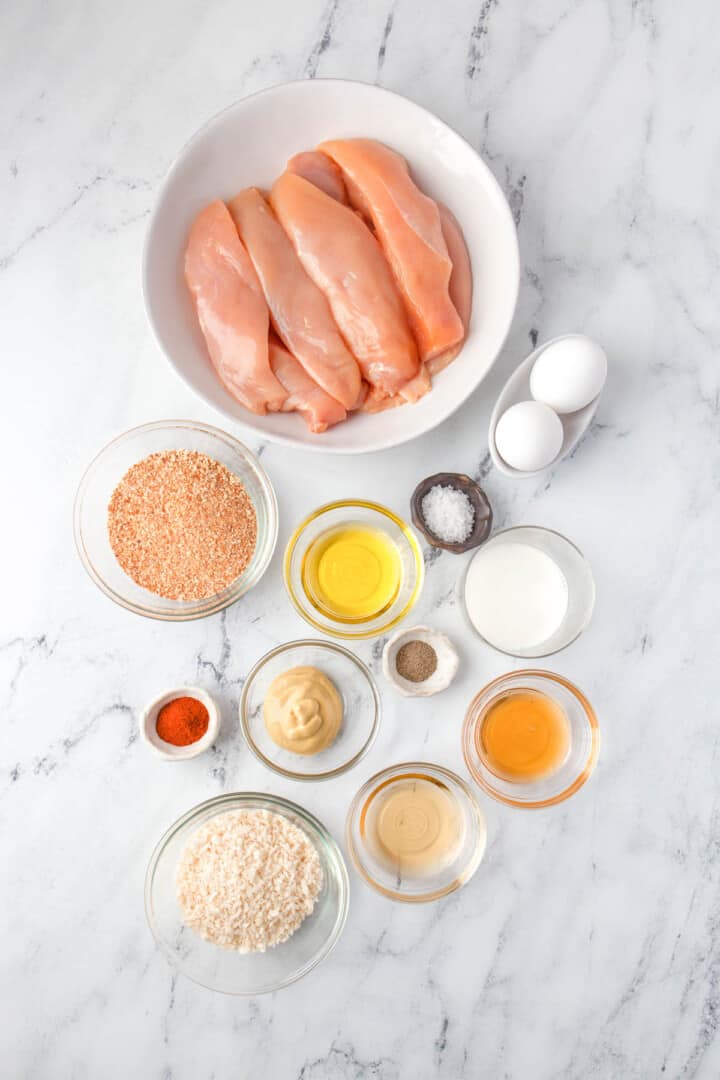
x: 300, y: 313
x: 411, y: 391
x: 321, y: 171
x: 319, y: 410
x: 407, y: 224
x: 231, y: 310
x: 460, y: 284
x: 461, y: 277
x: 345, y: 261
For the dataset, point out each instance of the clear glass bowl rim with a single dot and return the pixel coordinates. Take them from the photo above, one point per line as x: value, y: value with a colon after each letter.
x: 331, y: 646
x: 240, y: 799
x: 468, y: 739
x: 365, y: 504
x: 588, y: 615
x: 213, y: 604
x: 478, y: 818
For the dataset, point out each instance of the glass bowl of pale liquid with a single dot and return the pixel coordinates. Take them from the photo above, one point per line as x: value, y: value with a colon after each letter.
x: 528, y: 592
x: 415, y: 832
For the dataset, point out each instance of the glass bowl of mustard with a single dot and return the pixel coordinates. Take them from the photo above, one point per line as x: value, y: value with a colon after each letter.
x: 530, y: 739
x: 353, y: 569
x: 310, y: 710
x: 415, y: 832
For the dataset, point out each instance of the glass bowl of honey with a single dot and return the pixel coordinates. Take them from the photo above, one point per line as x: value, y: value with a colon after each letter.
x: 530, y: 739
x: 353, y: 569
x: 415, y: 832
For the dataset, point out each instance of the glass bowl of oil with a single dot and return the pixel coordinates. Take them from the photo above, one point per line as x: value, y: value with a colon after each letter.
x: 353, y: 569
x: 530, y: 739
x: 415, y: 832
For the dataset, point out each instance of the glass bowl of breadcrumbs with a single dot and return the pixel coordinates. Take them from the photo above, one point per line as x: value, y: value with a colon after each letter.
x: 175, y: 520
x: 246, y: 893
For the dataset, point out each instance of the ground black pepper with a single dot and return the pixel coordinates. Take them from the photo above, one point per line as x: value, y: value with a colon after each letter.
x: 416, y: 661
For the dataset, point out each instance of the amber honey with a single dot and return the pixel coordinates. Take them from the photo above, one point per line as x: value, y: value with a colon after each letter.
x: 523, y: 736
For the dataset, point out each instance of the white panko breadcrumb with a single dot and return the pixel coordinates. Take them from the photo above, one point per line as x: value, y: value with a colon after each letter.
x: 247, y: 879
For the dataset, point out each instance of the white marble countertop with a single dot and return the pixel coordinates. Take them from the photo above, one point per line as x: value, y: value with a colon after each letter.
x: 587, y: 943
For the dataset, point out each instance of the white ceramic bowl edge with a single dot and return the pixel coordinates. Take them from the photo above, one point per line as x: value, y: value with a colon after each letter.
x: 249, y: 143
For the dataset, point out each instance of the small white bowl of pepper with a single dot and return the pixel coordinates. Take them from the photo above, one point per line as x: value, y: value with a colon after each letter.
x: 420, y: 661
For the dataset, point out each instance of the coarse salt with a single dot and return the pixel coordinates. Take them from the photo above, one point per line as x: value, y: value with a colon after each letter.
x: 448, y: 514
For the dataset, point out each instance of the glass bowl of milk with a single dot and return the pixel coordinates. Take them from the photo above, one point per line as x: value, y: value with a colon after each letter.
x: 528, y: 592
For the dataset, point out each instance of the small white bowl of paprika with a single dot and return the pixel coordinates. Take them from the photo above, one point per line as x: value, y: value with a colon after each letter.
x: 180, y: 724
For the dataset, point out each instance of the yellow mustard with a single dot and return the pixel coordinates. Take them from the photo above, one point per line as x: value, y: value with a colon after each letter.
x: 303, y: 711
x: 352, y: 573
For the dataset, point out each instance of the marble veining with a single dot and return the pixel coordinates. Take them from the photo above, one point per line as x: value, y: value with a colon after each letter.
x: 588, y: 944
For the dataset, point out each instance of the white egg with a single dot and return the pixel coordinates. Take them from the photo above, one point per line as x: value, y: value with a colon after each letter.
x: 529, y: 436
x: 569, y: 374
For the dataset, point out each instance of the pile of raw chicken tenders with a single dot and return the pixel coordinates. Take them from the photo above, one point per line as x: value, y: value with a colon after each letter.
x: 345, y: 289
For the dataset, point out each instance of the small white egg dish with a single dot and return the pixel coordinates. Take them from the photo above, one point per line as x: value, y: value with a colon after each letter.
x: 447, y: 661
x: 547, y: 405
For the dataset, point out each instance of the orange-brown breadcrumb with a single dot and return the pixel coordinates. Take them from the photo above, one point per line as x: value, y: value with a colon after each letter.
x: 182, y: 525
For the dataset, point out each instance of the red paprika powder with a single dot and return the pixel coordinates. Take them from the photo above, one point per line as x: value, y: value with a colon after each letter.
x: 182, y: 721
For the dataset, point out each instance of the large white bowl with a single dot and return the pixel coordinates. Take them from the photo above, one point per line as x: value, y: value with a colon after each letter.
x: 248, y: 144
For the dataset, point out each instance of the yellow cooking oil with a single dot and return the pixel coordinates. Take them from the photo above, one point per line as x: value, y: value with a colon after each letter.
x: 352, y: 573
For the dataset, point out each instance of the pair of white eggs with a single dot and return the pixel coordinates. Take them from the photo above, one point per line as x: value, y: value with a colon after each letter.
x: 567, y: 375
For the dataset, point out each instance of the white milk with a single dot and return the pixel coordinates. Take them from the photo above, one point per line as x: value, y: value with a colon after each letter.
x: 516, y: 596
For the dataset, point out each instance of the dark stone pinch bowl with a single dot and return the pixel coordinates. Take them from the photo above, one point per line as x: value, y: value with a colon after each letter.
x: 481, y: 504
